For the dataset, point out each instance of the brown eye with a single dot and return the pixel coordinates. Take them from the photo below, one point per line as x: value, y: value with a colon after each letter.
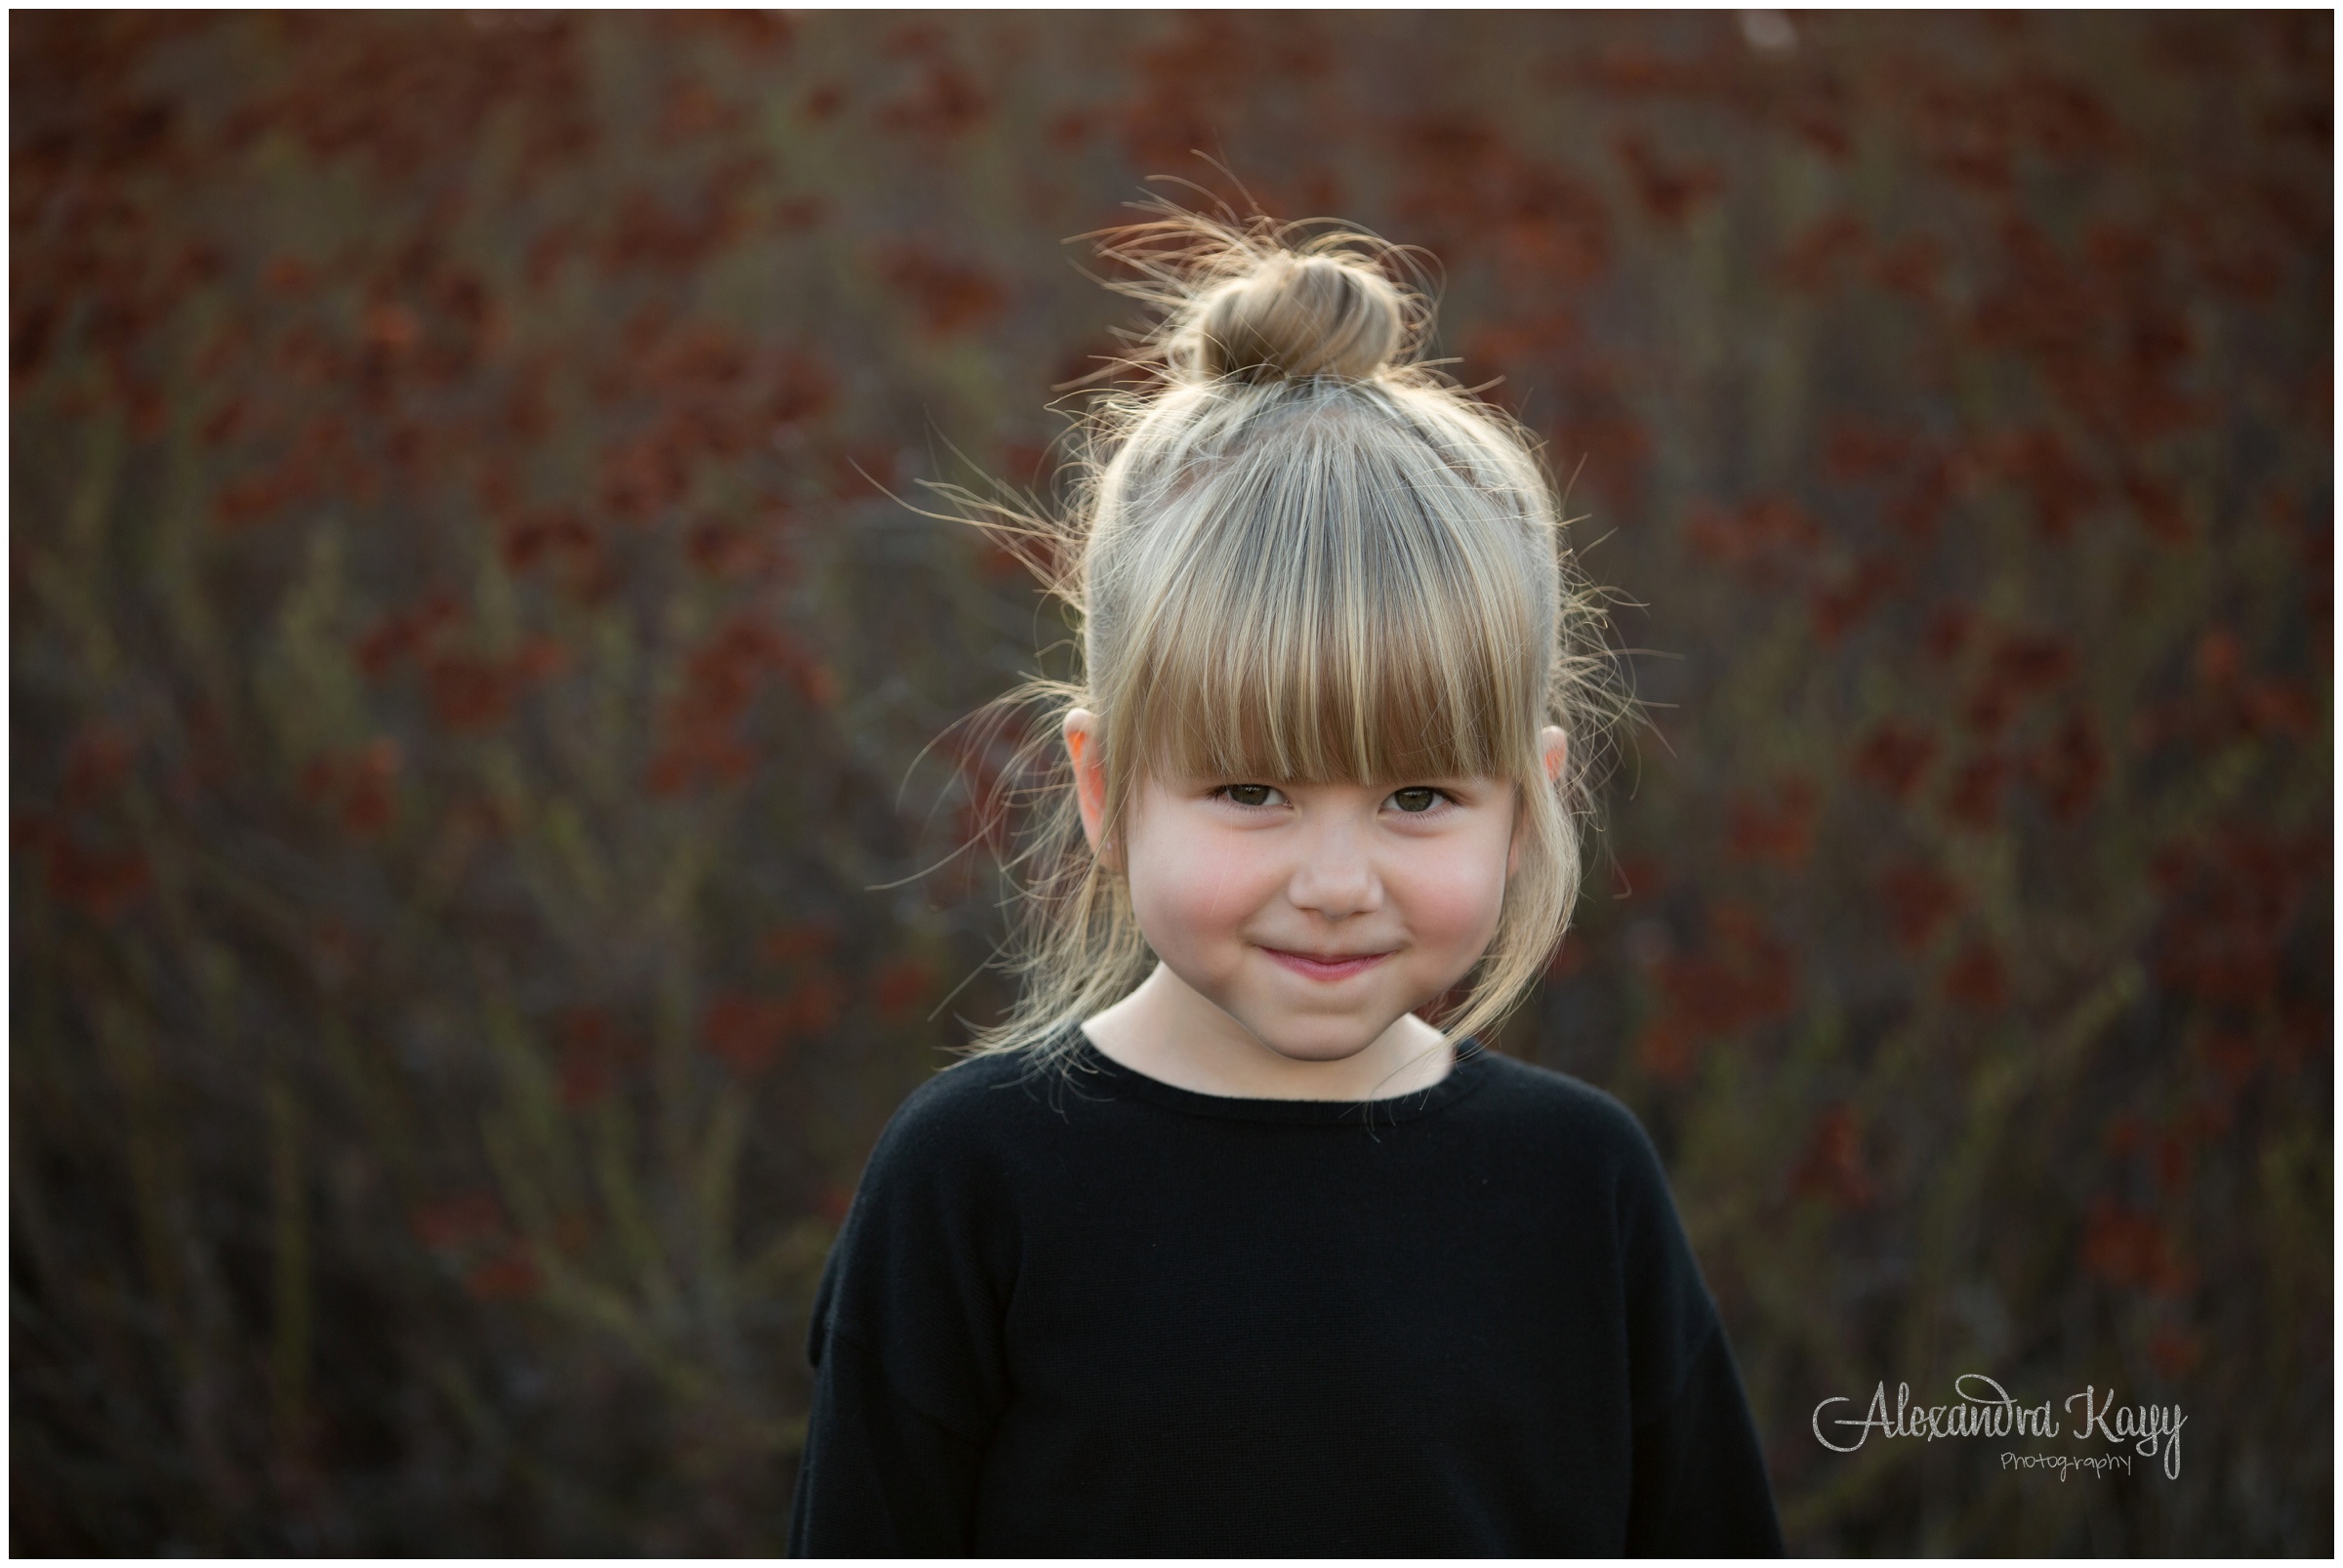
x: 1248, y: 794
x: 1416, y: 800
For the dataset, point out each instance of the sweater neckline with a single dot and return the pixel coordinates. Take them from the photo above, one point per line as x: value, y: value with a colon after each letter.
x: 1466, y: 1074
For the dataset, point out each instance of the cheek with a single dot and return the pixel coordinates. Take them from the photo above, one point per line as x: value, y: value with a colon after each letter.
x: 1191, y: 888
x: 1453, y: 897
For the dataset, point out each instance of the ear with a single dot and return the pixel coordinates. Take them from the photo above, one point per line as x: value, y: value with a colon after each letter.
x: 1089, y: 779
x: 1554, y: 746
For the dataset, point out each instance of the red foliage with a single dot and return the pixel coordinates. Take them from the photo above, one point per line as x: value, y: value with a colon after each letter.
x: 2218, y: 659
x: 643, y: 475
x: 2039, y: 462
x: 2070, y: 768
x: 101, y: 883
x: 2232, y: 1053
x: 818, y: 1002
x: 1547, y: 228
x: 475, y: 692
x: 722, y: 678
x: 691, y: 112
x: 1569, y: 958
x: 97, y: 762
x: 802, y: 391
x: 824, y: 102
x: 1911, y: 267
x: 1770, y: 540
x: 2231, y: 897
x: 447, y: 1224
x: 946, y: 103
x: 406, y: 633
x: 1809, y: 262
x: 1179, y: 82
x: 749, y: 1034
x: 1975, y: 797
x: 1854, y: 449
x: 1976, y: 979
x: 2278, y: 708
x: 257, y: 496
x: 358, y: 787
x: 1744, y: 976
x: 1633, y: 874
x: 2233, y: 261
x: 1820, y: 120
x: 648, y: 233
x: 2065, y: 120
x: 512, y: 1275
x: 1779, y: 831
x: 2175, y: 1351
x: 1635, y: 70
x: 1833, y: 1166
x: 1917, y: 898
x: 549, y: 534
x: 1602, y: 431
x: 947, y: 295
x: 726, y: 549
x: 900, y: 988
x: 2156, y: 509
x: 2131, y: 1250
x: 593, y: 1055
x: 1989, y: 709
x: 784, y: 944
x: 1947, y: 632
x: 2022, y: 665
x: 1668, y: 194
x: 1893, y: 757
x: 1837, y: 608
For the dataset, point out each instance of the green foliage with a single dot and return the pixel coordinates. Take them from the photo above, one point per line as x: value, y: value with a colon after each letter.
x: 467, y: 922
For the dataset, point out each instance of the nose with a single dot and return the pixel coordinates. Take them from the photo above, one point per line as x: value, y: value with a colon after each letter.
x: 1336, y: 878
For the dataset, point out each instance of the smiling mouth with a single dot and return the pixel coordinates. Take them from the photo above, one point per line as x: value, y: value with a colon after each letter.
x: 1333, y: 967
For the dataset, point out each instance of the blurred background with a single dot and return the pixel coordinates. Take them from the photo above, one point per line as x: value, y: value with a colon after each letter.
x: 469, y: 691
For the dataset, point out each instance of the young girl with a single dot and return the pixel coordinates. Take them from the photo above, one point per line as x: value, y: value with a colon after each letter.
x: 1214, y: 1246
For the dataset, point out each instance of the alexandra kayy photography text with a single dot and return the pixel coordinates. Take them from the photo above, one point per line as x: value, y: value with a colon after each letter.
x: 1988, y: 1410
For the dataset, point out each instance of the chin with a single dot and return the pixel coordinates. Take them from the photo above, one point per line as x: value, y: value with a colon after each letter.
x: 1324, y: 1043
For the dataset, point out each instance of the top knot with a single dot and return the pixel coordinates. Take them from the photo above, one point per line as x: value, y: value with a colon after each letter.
x: 1259, y: 301
x: 1292, y: 317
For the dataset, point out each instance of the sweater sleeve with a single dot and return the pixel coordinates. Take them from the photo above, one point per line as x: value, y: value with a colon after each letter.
x: 881, y: 1478
x: 907, y: 1343
x: 1699, y: 1486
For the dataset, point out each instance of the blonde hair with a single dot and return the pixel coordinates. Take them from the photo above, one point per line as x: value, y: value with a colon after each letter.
x: 1298, y: 553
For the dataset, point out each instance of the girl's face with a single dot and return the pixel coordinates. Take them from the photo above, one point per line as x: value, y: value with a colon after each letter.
x: 1315, y: 916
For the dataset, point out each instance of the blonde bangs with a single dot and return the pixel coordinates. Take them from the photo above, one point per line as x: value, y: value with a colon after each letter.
x: 1329, y: 622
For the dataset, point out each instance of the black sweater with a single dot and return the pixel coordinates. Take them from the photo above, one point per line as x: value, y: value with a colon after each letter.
x: 1095, y: 1314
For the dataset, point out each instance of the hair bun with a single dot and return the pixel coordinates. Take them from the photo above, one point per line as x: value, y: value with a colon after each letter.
x: 1290, y: 317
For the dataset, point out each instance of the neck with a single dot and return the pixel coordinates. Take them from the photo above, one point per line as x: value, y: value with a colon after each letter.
x: 1172, y: 1033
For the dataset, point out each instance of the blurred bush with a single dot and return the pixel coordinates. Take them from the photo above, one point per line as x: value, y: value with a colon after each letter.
x: 468, y: 667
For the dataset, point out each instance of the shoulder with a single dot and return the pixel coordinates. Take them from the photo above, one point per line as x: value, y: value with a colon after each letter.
x: 944, y: 1181
x: 1571, y: 1131
x: 980, y: 1095
x: 973, y: 1116
x: 1556, y: 1104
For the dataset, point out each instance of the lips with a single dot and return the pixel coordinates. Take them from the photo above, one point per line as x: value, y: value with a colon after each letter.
x: 1315, y: 969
